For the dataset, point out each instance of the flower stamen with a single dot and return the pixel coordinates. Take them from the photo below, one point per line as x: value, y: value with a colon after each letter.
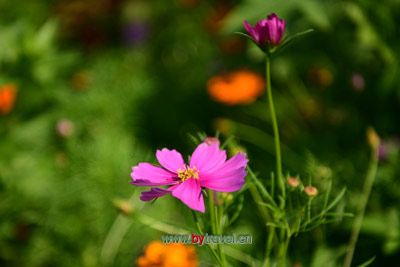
x: 187, y: 173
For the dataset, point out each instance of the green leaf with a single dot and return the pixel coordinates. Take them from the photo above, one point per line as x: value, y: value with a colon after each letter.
x: 292, y: 38
x: 271, y: 207
x: 261, y: 187
x: 238, y: 210
x: 368, y: 262
x: 327, y: 194
x: 251, y: 39
x: 336, y: 200
x: 227, y: 142
x: 244, y: 35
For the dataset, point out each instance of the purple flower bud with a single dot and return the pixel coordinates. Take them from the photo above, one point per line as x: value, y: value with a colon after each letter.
x: 267, y: 31
x: 211, y: 140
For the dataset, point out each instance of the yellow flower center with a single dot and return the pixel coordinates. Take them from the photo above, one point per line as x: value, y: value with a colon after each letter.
x: 187, y: 173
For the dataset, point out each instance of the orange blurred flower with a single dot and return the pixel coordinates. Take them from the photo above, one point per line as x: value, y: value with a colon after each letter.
x: 81, y: 80
x: 214, y: 20
x: 8, y: 93
x: 239, y: 87
x: 321, y: 77
x: 158, y: 254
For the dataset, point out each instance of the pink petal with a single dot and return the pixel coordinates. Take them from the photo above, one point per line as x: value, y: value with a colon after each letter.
x: 272, y: 16
x: 170, y: 159
x: 189, y: 192
x: 146, y: 174
x: 207, y: 158
x: 262, y: 29
x: 154, y: 193
x: 253, y: 33
x: 228, y: 178
x: 276, y: 28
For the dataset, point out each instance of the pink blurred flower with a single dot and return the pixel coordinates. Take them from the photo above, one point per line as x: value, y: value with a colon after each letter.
x: 267, y: 31
x: 208, y: 168
x: 358, y: 82
x: 65, y: 128
x: 387, y: 148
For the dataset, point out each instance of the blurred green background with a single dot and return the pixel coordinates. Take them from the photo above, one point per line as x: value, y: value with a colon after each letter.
x: 101, y: 84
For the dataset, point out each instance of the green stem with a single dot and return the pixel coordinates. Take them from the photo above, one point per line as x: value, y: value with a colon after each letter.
x: 272, y: 184
x: 283, y: 246
x: 114, y: 238
x: 220, y: 213
x: 271, y: 234
x: 212, y: 212
x: 309, y: 209
x: 281, y: 182
x: 212, y: 250
x: 215, y: 225
x: 369, y: 181
x: 258, y: 199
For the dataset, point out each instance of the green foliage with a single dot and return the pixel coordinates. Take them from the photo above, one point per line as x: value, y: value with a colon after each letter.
x: 91, y: 103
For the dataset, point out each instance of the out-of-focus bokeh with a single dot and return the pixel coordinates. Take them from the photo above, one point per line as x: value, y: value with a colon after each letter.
x: 90, y: 88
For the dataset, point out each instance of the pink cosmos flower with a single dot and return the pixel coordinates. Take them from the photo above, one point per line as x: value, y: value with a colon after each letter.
x: 208, y: 168
x: 267, y: 31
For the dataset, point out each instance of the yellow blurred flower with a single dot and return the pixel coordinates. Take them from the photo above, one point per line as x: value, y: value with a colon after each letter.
x: 8, y: 93
x: 239, y: 87
x: 158, y: 254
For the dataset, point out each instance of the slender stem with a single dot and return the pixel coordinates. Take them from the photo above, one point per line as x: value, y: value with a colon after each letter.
x: 283, y: 247
x: 309, y: 209
x: 212, y: 211
x: 215, y: 225
x: 220, y: 213
x: 241, y: 256
x: 281, y: 183
x: 208, y: 245
x: 283, y: 238
x: 257, y: 198
x: 271, y: 234
x: 369, y: 181
x: 272, y: 184
x: 114, y: 238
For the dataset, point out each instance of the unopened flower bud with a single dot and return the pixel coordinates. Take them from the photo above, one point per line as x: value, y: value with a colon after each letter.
x: 267, y: 31
x: 226, y: 197
x: 311, y: 191
x: 237, y: 149
x: 211, y: 140
x: 123, y: 206
x: 293, y: 182
x: 373, y: 138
